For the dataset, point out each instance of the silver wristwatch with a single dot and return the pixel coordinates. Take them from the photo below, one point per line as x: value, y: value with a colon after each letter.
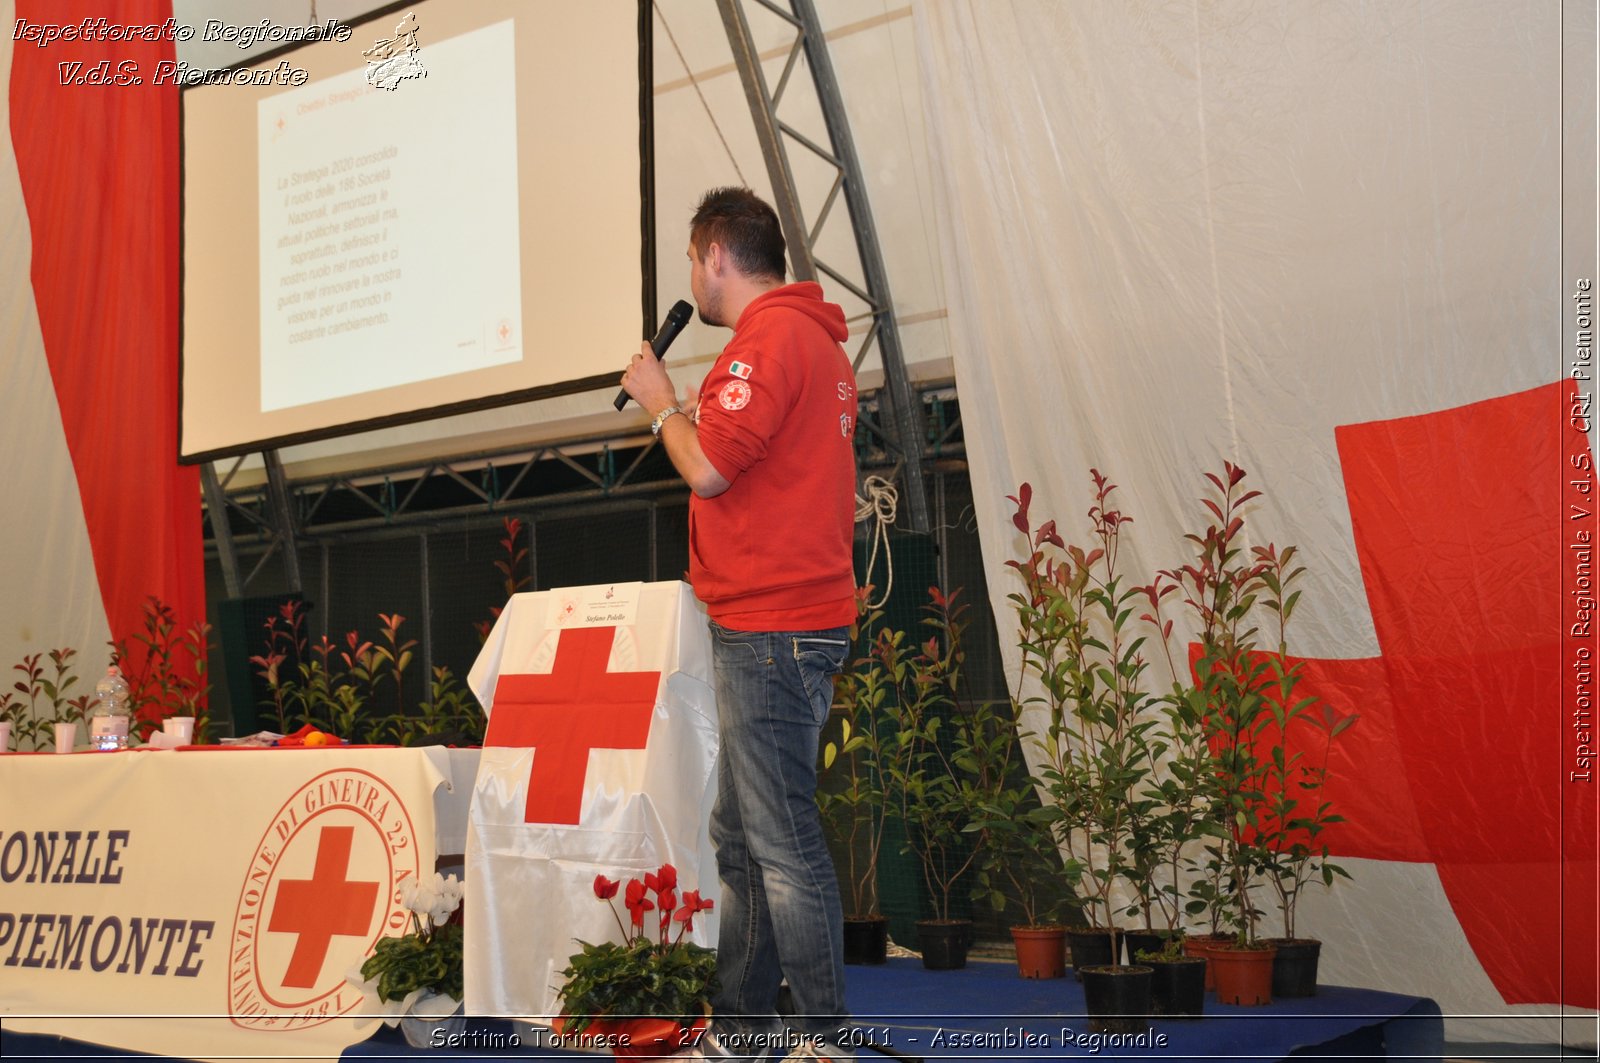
x: 661, y: 419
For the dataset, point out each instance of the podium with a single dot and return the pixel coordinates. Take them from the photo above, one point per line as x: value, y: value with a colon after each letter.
x: 600, y: 759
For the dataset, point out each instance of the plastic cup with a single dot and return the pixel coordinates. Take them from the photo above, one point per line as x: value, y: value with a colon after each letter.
x: 179, y: 727
x: 66, y: 736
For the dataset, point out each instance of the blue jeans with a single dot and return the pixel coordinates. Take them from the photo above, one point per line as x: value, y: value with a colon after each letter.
x: 781, y: 915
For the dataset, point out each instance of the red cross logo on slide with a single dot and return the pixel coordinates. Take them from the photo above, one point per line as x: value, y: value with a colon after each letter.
x: 322, y: 906
x: 577, y: 707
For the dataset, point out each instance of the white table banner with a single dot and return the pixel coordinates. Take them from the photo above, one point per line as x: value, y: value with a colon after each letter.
x: 599, y: 760
x: 206, y: 903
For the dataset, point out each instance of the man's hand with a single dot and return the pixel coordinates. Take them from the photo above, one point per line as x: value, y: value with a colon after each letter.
x: 647, y: 383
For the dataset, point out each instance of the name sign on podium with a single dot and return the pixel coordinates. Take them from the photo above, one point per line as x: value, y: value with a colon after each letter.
x: 599, y: 759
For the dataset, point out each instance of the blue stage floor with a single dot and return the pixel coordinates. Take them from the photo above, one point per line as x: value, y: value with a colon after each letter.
x: 986, y: 1012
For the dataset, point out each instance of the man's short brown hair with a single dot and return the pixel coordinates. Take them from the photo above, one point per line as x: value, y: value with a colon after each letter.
x: 745, y: 226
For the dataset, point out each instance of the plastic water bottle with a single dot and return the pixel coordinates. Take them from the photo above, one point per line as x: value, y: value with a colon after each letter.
x: 108, y: 730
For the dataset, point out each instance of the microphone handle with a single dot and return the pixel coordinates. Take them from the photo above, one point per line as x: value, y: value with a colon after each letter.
x: 670, y: 327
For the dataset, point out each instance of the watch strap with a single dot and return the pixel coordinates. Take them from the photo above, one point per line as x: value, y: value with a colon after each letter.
x: 661, y: 419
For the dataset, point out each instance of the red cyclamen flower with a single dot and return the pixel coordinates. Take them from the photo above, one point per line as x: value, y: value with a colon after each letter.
x: 692, y: 906
x: 637, y: 902
x: 605, y: 888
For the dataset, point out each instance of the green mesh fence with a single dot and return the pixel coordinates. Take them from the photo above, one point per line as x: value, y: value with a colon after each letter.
x: 442, y: 578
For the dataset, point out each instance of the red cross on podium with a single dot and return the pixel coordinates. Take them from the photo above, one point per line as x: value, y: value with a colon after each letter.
x: 577, y: 707
x: 322, y: 906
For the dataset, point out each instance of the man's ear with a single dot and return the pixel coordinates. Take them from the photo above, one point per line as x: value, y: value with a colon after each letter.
x: 714, y: 259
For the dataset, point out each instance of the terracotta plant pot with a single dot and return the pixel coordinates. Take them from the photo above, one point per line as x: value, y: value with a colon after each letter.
x: 1117, y: 998
x: 1093, y: 948
x: 866, y: 941
x: 1294, y: 968
x: 1201, y: 945
x: 1243, y: 976
x: 1041, y: 951
x: 643, y: 1036
x: 944, y: 943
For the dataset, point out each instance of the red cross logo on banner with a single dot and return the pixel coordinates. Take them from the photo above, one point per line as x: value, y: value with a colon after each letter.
x: 322, y: 906
x: 577, y: 707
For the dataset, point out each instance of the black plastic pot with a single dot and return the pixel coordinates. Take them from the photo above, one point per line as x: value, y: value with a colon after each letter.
x: 866, y: 941
x: 944, y: 943
x: 1117, y: 998
x: 1093, y: 948
x: 1177, y: 987
x: 1294, y: 968
x: 1147, y: 940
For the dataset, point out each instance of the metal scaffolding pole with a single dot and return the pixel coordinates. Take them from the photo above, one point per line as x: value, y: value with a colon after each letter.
x: 221, y: 531
x: 899, y: 410
x: 282, y: 518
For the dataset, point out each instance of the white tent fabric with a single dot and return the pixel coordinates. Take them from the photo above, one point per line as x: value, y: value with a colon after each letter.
x: 1176, y: 232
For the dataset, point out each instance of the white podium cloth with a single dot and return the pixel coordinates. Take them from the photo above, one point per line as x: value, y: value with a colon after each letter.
x: 625, y: 719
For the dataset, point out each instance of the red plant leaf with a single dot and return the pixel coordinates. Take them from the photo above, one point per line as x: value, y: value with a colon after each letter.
x: 1022, y: 498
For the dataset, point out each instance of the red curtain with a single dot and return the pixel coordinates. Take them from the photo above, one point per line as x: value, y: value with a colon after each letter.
x: 99, y: 169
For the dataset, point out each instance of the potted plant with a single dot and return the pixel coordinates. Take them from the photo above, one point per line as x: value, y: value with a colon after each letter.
x: 855, y: 811
x: 450, y: 716
x: 1181, y: 811
x: 416, y: 977
x: 167, y: 674
x: 924, y: 786
x: 1296, y: 813
x: 1020, y: 857
x: 650, y: 993
x: 1077, y: 645
x: 1233, y: 682
x: 65, y: 711
x: 11, y: 711
x: 338, y: 691
x: 32, y: 725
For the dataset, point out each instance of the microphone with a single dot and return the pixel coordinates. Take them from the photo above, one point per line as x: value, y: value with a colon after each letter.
x: 673, y: 324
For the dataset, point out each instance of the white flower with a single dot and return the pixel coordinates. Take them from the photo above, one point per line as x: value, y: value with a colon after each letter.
x: 433, y: 897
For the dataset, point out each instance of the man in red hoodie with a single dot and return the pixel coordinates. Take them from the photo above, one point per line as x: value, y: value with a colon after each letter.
x: 767, y: 451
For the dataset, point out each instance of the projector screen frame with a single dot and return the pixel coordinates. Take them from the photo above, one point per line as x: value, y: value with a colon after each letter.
x: 647, y: 267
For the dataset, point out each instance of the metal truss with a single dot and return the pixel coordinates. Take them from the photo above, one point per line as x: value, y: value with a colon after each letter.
x: 901, y: 425
x: 589, y: 473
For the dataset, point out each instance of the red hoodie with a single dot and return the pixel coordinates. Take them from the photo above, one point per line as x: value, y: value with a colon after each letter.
x: 777, y: 413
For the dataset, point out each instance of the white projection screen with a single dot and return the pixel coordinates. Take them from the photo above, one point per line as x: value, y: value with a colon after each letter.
x: 455, y: 221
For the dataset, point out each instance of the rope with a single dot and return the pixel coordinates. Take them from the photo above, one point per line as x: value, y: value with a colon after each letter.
x: 880, y: 502
x: 694, y: 81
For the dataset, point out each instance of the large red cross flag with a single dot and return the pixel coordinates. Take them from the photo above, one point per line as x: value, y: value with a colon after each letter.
x: 1390, y: 327
x: 599, y: 760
